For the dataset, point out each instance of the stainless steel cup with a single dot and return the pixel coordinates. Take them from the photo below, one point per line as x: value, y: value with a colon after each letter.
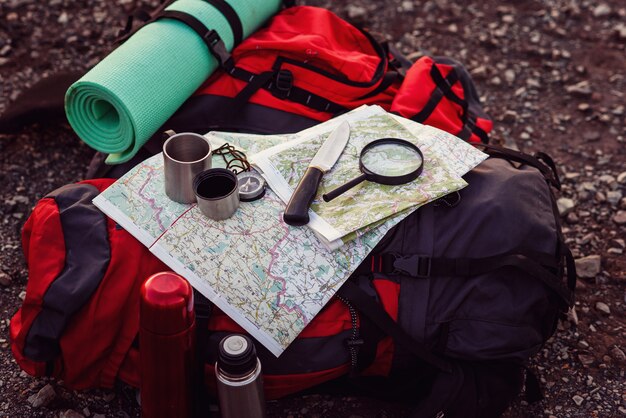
x: 185, y: 155
x: 217, y: 193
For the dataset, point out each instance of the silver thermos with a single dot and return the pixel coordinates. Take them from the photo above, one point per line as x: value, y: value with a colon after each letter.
x: 239, y: 380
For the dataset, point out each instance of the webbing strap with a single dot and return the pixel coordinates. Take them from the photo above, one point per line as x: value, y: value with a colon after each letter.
x: 280, y: 84
x: 442, y: 85
x: 233, y: 18
x: 375, y: 312
x: 542, y: 162
x: 210, y: 37
x: 541, y: 266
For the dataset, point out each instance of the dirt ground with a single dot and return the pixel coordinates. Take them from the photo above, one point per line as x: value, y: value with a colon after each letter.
x: 550, y: 73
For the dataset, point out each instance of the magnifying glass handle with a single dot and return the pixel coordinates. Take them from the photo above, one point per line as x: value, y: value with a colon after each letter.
x: 343, y: 188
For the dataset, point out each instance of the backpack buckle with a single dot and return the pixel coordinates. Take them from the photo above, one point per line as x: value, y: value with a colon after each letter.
x: 283, y: 82
x: 218, y: 49
x: 413, y: 265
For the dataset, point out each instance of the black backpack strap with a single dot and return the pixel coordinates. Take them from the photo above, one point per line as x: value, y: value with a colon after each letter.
x: 541, y: 266
x: 375, y: 312
x: 541, y: 162
x: 442, y: 87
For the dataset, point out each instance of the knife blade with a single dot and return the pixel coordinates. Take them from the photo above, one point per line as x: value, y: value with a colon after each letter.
x: 297, y: 211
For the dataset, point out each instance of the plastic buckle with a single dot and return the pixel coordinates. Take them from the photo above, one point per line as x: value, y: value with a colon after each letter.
x: 218, y: 49
x: 283, y: 82
x: 414, y: 265
x: 355, y: 342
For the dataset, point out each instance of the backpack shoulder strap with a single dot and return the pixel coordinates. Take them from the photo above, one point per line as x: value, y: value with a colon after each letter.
x: 373, y: 311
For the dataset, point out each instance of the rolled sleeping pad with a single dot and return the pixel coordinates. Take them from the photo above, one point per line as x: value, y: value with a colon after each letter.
x: 120, y: 103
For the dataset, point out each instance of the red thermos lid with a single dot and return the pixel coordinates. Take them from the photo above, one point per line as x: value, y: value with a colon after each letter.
x: 166, y: 304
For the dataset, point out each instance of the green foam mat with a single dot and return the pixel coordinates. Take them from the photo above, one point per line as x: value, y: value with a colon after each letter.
x: 118, y: 105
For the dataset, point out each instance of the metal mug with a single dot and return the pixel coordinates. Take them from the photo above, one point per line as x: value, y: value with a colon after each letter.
x: 217, y: 193
x: 185, y: 155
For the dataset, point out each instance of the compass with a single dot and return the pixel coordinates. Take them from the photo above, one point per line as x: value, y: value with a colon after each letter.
x: 251, y: 186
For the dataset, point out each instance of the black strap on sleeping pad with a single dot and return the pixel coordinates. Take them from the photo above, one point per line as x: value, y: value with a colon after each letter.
x: 210, y: 37
x: 375, y: 312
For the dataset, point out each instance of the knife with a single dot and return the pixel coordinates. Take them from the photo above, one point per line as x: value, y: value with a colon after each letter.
x: 297, y: 211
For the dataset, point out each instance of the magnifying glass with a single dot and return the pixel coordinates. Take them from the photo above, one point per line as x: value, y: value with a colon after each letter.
x: 389, y: 161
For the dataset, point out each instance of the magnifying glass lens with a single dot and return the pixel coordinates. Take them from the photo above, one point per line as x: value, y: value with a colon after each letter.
x: 391, y: 159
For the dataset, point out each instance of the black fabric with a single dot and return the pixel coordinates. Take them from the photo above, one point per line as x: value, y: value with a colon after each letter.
x: 375, y: 312
x: 471, y: 390
x: 87, y: 255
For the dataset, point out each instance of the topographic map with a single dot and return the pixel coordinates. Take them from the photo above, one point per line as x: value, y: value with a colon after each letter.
x: 368, y: 203
x: 271, y: 278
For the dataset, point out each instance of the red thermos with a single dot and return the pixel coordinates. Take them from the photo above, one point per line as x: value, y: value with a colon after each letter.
x: 166, y: 346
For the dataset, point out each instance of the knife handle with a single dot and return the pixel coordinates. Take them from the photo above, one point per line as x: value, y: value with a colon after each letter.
x: 297, y: 211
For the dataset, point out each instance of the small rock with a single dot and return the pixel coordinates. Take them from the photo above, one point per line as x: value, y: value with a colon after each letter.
x: 5, y: 279
x: 509, y: 76
x: 621, y: 177
x: 565, y: 205
x: 355, y: 12
x: 620, y: 31
x: 586, y: 359
x: 572, y: 218
x: 582, y: 89
x: 3, y: 61
x: 618, y: 354
x: 602, y: 10
x: 572, y: 316
x: 614, y: 197
x: 603, y: 307
x: 510, y: 116
x: 63, y: 18
x: 108, y: 397
x: 583, y: 107
x: 43, y: 397
x: 22, y: 295
x: 588, y: 267
x: 407, y: 6
x: 70, y: 413
x: 578, y: 400
x: 591, y: 136
x: 620, y: 217
x: 99, y: 416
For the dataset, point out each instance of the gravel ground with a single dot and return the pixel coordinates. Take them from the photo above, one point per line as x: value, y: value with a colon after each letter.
x: 551, y: 73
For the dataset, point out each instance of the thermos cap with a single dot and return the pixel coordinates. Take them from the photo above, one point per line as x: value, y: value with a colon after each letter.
x: 237, y: 355
x: 166, y: 304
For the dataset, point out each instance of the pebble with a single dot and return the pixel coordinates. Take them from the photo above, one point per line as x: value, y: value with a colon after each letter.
x: 63, y: 18
x: 5, y: 279
x: 355, y: 12
x: 613, y: 197
x: 509, y: 76
x: 43, y: 397
x: 621, y: 177
x: 582, y: 89
x: 588, y: 267
x: 602, y: 10
x: 586, y: 359
x: 618, y: 354
x: 565, y: 205
x: 70, y: 413
x: 578, y: 400
x: 603, y: 307
x: 620, y: 217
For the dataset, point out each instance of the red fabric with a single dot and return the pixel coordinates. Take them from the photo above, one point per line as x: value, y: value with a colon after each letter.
x: 320, y: 39
x: 108, y: 323
x: 416, y: 91
x: 42, y: 240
